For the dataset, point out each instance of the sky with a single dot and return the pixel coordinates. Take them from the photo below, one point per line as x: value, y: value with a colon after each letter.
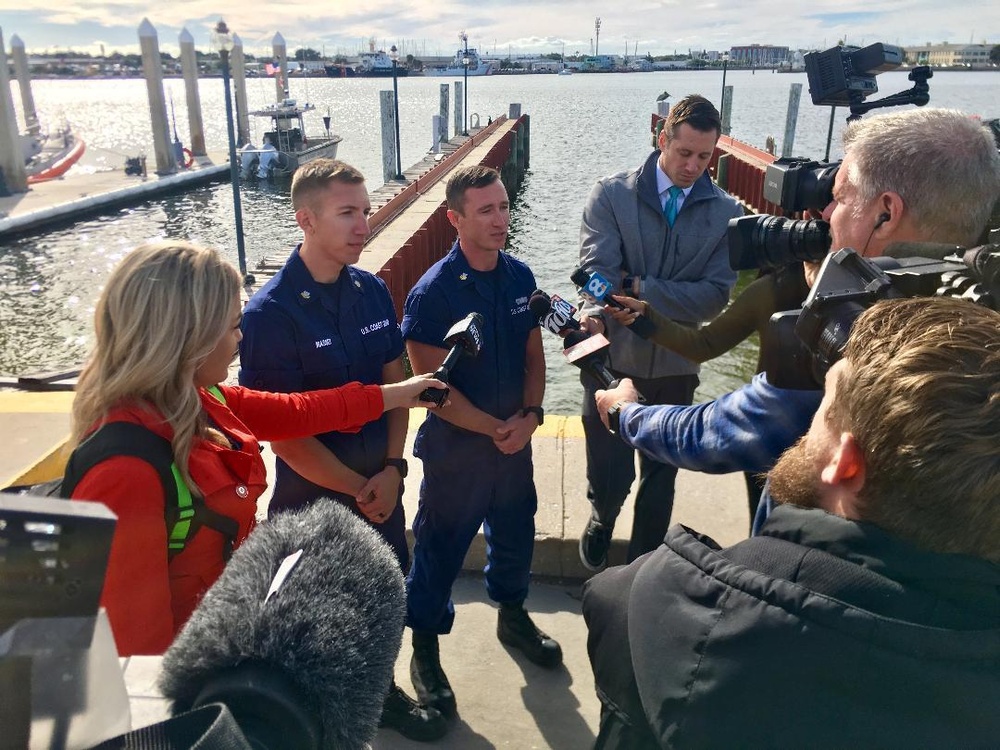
x: 432, y: 27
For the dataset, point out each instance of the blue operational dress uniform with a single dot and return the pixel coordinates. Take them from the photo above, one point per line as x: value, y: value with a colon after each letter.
x: 467, y: 481
x: 300, y: 335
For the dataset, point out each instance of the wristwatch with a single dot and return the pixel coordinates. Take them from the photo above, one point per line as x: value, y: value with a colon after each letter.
x: 400, y: 464
x: 614, y: 418
x: 538, y: 411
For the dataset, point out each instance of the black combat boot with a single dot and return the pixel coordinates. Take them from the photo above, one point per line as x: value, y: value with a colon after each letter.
x: 515, y: 628
x: 429, y: 680
x: 415, y: 722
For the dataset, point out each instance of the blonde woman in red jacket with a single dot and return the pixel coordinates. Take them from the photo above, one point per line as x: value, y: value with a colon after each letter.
x: 167, y: 328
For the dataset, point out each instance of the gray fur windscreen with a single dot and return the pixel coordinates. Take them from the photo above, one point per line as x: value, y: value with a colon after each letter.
x: 332, y: 631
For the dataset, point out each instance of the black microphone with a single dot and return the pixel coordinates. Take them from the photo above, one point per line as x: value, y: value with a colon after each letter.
x: 554, y: 313
x: 596, y: 289
x: 299, y: 636
x: 587, y: 352
x: 465, y: 337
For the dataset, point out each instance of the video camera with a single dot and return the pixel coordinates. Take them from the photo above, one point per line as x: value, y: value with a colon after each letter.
x: 807, y: 342
x: 843, y: 74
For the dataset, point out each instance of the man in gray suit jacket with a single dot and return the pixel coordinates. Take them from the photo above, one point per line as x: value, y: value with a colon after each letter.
x: 659, y: 231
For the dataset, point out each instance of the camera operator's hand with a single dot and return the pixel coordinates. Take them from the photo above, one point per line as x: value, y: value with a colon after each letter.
x: 811, y: 271
x: 633, y: 309
x: 624, y: 393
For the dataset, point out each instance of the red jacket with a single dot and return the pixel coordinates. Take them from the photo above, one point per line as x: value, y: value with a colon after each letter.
x: 149, y: 600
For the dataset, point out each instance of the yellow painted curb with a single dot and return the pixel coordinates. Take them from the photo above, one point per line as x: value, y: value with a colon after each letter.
x: 45, y: 402
x: 51, y: 465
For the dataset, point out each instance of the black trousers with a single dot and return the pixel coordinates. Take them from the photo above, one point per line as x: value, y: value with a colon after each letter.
x: 611, y: 465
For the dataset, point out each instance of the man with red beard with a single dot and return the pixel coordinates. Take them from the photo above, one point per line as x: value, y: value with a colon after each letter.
x: 868, y: 609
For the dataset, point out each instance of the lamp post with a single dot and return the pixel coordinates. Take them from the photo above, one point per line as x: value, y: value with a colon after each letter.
x: 222, y: 40
x: 465, y: 84
x: 394, y: 56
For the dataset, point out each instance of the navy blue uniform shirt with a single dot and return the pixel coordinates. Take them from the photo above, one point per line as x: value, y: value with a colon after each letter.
x: 299, y: 335
x: 450, y: 290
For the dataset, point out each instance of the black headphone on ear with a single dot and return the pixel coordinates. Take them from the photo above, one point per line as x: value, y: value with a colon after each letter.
x: 882, y: 219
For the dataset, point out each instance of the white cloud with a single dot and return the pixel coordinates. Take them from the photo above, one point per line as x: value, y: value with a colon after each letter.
x: 659, y: 26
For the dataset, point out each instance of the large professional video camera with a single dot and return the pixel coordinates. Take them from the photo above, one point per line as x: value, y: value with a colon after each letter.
x: 843, y: 74
x: 808, y: 341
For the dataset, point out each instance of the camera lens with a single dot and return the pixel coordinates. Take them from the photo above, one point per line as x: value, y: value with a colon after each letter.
x: 764, y: 241
x: 816, y: 187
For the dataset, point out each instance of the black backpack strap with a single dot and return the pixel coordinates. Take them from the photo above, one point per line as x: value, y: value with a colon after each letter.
x: 123, y: 439
x: 183, y: 512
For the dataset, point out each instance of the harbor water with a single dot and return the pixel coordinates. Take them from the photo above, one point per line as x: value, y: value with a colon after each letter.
x: 582, y: 127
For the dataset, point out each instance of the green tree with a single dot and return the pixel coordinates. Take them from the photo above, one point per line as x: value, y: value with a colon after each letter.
x: 307, y: 53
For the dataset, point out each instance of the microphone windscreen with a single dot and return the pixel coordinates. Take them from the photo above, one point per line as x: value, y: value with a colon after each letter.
x: 932, y: 250
x: 539, y: 303
x: 332, y: 630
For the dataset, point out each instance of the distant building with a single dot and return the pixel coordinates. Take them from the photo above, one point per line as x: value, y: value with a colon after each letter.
x: 950, y: 55
x: 596, y: 63
x: 545, y: 66
x: 760, y: 55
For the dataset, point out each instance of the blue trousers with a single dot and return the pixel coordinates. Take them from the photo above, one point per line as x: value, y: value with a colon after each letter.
x: 611, y: 465
x: 457, y: 495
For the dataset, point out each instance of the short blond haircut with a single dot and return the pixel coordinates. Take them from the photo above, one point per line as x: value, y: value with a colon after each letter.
x: 313, y: 177
x: 921, y: 395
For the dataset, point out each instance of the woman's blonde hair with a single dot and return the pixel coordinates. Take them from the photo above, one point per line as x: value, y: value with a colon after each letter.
x: 161, y: 313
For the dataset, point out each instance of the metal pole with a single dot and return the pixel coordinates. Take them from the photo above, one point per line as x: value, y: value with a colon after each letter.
x: 234, y: 173
x: 395, y: 107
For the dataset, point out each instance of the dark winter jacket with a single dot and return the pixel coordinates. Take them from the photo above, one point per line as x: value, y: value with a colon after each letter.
x: 821, y: 632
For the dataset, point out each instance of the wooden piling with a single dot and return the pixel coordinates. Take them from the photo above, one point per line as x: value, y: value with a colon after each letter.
x: 189, y: 68
x: 23, y: 75
x: 281, y: 57
x: 443, y: 92
x: 238, y: 63
x: 459, y: 113
x: 388, y: 112
x: 791, y: 119
x: 15, y: 178
x: 152, y: 67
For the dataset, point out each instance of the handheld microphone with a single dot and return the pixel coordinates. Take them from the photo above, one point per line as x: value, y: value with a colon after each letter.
x: 465, y: 337
x: 587, y: 352
x: 554, y: 313
x: 597, y: 290
x: 299, y: 636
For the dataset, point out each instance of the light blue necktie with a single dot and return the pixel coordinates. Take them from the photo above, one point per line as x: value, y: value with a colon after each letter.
x: 671, y: 206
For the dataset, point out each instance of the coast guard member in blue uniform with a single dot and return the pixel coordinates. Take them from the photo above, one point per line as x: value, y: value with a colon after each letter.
x: 477, y: 452
x: 320, y: 323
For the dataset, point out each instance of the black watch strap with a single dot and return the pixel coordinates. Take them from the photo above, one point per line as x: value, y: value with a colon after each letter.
x: 538, y: 411
x: 401, y: 466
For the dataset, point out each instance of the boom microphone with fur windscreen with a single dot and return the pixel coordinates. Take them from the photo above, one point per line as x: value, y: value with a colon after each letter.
x: 465, y: 337
x: 299, y: 636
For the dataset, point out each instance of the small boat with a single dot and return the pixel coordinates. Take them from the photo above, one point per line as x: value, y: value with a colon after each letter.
x: 566, y: 72
x: 286, y: 144
x: 476, y: 65
x: 49, y: 156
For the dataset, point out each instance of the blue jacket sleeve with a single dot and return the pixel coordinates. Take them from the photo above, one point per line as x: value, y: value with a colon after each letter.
x: 746, y: 430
